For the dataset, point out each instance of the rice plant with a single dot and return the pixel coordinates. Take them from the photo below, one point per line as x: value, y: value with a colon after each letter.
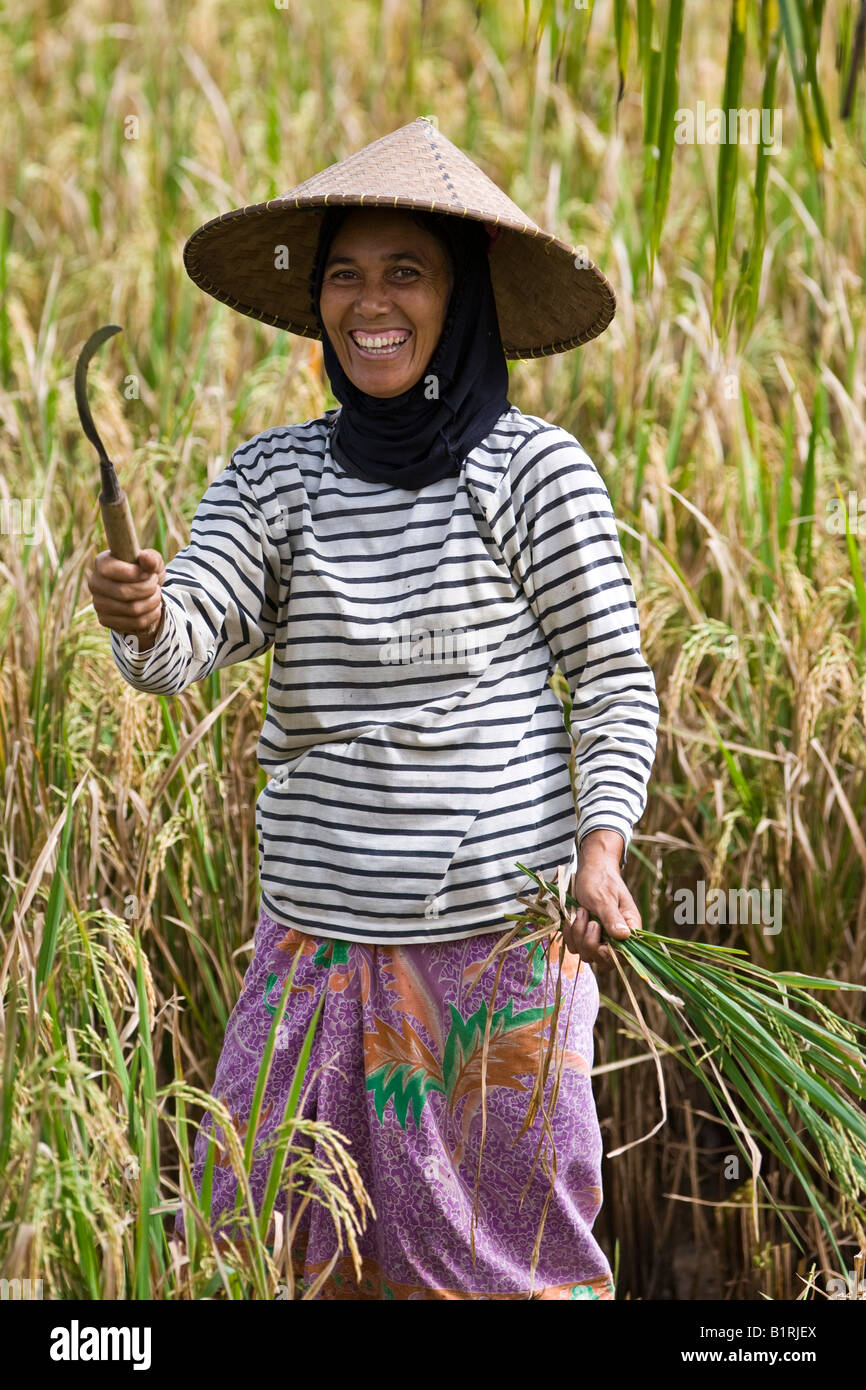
x: 785, y: 1073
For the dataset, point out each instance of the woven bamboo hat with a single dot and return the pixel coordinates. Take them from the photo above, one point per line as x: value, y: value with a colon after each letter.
x: 258, y: 259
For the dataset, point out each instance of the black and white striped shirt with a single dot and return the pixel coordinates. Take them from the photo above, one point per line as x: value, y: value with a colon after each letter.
x: 414, y: 746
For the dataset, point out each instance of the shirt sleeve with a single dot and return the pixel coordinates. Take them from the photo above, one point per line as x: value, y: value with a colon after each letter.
x: 221, y: 594
x: 558, y: 534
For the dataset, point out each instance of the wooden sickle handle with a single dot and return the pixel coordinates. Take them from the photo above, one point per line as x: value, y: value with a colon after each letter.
x: 120, y: 529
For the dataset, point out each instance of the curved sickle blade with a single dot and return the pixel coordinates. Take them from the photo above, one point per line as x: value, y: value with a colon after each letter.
x: 94, y: 342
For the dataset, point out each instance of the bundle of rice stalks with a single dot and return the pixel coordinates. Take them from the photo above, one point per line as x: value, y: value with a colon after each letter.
x: 785, y: 1073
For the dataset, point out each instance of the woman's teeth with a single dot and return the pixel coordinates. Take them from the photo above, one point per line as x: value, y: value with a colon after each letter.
x: 381, y: 346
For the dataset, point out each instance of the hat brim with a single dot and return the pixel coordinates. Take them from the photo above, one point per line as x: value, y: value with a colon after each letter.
x: 259, y: 259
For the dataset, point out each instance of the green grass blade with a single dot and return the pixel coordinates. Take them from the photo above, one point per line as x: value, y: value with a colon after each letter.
x: 282, y: 1147
x: 726, y: 188
x: 807, y: 493
x: 669, y: 101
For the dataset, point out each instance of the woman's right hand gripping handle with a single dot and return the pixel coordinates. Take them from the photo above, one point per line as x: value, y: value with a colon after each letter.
x: 127, y: 597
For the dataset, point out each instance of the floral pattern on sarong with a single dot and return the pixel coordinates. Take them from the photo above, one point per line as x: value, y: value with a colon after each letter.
x: 396, y: 1061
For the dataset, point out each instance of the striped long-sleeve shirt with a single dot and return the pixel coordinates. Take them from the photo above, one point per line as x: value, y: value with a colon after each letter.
x: 414, y: 746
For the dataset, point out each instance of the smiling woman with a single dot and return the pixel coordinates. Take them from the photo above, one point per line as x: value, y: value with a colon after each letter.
x: 411, y: 412
x: 383, y: 308
x: 402, y: 795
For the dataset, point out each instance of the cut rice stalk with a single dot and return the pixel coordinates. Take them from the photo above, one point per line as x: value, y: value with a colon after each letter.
x: 777, y: 1077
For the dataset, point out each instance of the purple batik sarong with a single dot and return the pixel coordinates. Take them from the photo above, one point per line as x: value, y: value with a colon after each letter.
x: 396, y: 1061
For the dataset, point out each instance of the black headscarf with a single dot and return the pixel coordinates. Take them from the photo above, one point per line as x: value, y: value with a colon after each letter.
x: 410, y: 440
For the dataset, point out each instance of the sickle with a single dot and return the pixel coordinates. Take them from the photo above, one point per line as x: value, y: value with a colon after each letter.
x: 113, y: 502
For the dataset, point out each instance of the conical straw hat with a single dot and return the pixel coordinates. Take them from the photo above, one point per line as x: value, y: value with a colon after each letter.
x: 258, y: 259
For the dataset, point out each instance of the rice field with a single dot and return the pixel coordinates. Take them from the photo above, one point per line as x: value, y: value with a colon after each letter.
x: 726, y: 410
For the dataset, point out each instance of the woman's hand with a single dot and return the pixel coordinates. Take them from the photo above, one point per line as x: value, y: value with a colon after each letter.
x: 607, y: 903
x: 127, y: 597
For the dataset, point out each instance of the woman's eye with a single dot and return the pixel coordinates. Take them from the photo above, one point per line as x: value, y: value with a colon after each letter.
x: 400, y: 270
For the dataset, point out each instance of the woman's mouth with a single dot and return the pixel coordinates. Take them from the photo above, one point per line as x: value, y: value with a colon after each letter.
x: 377, y: 345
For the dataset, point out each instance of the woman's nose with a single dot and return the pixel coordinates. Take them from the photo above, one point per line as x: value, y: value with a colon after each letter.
x: 372, y: 298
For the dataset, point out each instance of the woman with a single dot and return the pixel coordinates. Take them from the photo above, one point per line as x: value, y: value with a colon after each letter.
x: 420, y: 560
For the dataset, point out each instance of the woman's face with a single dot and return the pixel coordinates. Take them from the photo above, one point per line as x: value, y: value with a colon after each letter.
x: 384, y: 294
